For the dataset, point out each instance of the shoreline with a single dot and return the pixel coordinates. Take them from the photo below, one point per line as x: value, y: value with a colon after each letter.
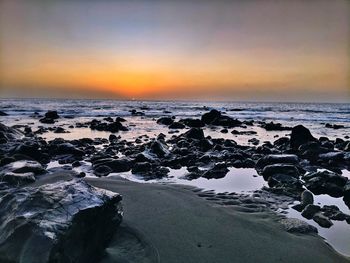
x: 173, y: 218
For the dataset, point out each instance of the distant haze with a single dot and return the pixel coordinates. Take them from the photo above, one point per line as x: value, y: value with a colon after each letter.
x: 233, y: 50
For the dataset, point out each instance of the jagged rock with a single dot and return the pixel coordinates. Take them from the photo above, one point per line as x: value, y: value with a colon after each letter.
x: 300, y: 135
x: 61, y: 222
x: 116, y: 165
x: 159, y: 148
x: 295, y: 225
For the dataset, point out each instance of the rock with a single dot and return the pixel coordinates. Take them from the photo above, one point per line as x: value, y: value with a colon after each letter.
x: 323, y: 221
x: 271, y: 126
x: 226, y: 121
x: 347, y: 194
x: 102, y: 170
x: 277, y: 158
x: 325, y: 182
x: 310, y: 210
x: 61, y: 222
x: 334, y: 126
x: 295, y: 225
x: 165, y: 121
x: 159, y: 148
x: 218, y: 171
x: 176, y: 125
x: 21, y: 167
x: 47, y: 120
x: 68, y: 148
x: 17, y: 178
x: 285, y: 169
x: 51, y: 115
x: 107, y: 126
x: 194, y: 133
x: 209, y: 117
x: 8, y: 133
x: 60, y: 130
x: 307, y: 198
x: 193, y: 123
x: 300, y: 135
x: 116, y: 165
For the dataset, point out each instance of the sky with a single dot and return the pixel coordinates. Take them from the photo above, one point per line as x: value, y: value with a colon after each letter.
x: 269, y: 50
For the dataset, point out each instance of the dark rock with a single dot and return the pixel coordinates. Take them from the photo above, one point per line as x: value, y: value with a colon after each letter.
x: 334, y: 126
x: 165, y: 121
x: 192, y: 123
x: 194, y: 133
x: 310, y: 210
x: 295, y: 225
x: 271, y: 126
x: 176, y: 125
x: 51, y: 115
x: 25, y: 166
x: 53, y: 222
x: 47, y: 120
x: 60, y: 130
x: 277, y: 158
x: 285, y: 169
x: 209, y: 117
x: 300, y: 135
x: 116, y: 165
x: 322, y: 220
x: 17, y: 178
x: 306, y: 198
x: 325, y: 182
x: 102, y: 170
x: 159, y: 148
x: 218, y: 171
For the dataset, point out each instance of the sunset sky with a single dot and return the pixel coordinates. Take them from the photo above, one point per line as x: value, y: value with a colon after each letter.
x: 239, y: 50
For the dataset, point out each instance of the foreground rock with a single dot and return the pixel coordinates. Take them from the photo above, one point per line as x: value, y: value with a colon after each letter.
x: 60, y: 222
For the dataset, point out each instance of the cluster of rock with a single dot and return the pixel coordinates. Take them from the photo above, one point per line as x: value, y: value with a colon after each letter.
x: 66, y: 221
x: 289, y: 164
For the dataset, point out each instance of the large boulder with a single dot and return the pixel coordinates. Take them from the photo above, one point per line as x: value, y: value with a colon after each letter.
x: 61, y: 222
x: 300, y: 135
x: 210, y: 116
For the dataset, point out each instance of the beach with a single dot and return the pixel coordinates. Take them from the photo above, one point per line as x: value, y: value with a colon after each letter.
x: 188, y: 181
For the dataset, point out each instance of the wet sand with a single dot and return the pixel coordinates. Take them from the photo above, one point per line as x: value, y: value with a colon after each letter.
x: 170, y: 223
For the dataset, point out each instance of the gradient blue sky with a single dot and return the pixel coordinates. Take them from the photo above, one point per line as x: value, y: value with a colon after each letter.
x: 250, y: 50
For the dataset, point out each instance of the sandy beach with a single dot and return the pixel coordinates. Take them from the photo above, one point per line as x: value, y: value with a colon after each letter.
x: 170, y: 223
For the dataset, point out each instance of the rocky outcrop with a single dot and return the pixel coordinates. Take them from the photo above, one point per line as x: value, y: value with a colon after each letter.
x: 61, y: 222
x: 300, y: 135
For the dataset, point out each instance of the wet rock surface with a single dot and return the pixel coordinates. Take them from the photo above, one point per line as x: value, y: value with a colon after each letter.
x: 292, y: 165
x: 61, y: 222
